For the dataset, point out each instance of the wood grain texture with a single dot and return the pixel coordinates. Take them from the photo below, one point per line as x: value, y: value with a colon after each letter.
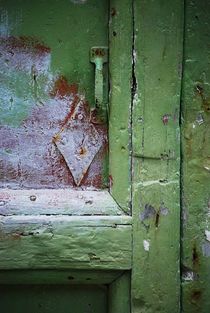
x: 57, y: 201
x: 157, y: 54
x: 196, y: 159
x: 38, y: 242
x: 120, y: 66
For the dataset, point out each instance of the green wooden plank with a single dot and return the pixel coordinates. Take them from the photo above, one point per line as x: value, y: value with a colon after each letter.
x: 120, y: 44
x: 156, y: 203
x: 38, y: 242
x: 55, y: 277
x: 119, y: 294
x: 196, y: 156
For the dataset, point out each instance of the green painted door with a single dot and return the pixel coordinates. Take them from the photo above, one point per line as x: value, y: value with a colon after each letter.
x: 50, y: 299
x: 65, y: 227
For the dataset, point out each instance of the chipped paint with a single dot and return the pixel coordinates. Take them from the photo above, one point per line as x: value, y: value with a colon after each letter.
x: 207, y: 234
x: 78, y: 1
x: 165, y: 118
x: 153, y: 182
x: 188, y: 274
x: 146, y: 245
x: 200, y: 119
x: 206, y: 249
x: 150, y: 211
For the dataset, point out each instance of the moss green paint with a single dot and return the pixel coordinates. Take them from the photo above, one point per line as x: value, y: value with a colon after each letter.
x: 158, y: 27
x: 52, y: 242
x: 196, y: 154
x: 120, y: 65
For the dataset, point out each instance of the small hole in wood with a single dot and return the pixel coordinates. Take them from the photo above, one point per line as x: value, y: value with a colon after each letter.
x: 33, y: 198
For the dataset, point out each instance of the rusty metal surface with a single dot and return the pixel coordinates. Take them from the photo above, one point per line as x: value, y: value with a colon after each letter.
x: 39, y: 111
x: 78, y: 141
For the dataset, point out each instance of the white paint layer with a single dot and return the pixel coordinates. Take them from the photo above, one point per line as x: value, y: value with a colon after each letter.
x: 146, y: 245
x: 207, y: 233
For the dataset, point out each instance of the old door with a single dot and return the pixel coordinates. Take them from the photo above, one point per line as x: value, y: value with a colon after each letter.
x: 65, y: 231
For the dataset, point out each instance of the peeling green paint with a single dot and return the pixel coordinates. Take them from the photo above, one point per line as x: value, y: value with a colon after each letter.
x: 158, y: 27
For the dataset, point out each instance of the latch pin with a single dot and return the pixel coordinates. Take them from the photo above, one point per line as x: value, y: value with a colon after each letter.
x: 99, y: 56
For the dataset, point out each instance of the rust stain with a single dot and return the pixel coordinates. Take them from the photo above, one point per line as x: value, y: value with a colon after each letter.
x: 82, y: 151
x: 196, y: 295
x: 24, y: 43
x: 205, y: 102
x: 165, y: 118
x: 79, y: 141
x: 62, y: 88
x: 113, y: 12
x: 195, y: 298
x: 57, y: 136
x: 69, y: 115
x: 32, y: 159
x: 71, y: 111
x: 110, y: 181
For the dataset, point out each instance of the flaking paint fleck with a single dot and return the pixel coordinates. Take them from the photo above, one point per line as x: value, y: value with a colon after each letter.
x: 206, y: 249
x: 146, y: 245
x: 207, y: 234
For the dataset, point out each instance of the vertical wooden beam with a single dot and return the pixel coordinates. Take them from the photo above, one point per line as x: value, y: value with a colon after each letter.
x: 196, y: 158
x: 120, y: 45
x: 119, y: 294
x: 158, y: 30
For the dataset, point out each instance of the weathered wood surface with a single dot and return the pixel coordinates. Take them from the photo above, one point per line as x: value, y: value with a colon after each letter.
x: 54, y: 277
x: 38, y: 242
x: 196, y: 159
x: 57, y: 201
x: 120, y: 66
x: 158, y: 27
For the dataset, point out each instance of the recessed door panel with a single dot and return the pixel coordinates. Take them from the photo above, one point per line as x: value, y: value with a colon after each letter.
x: 52, y: 298
x: 49, y: 134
